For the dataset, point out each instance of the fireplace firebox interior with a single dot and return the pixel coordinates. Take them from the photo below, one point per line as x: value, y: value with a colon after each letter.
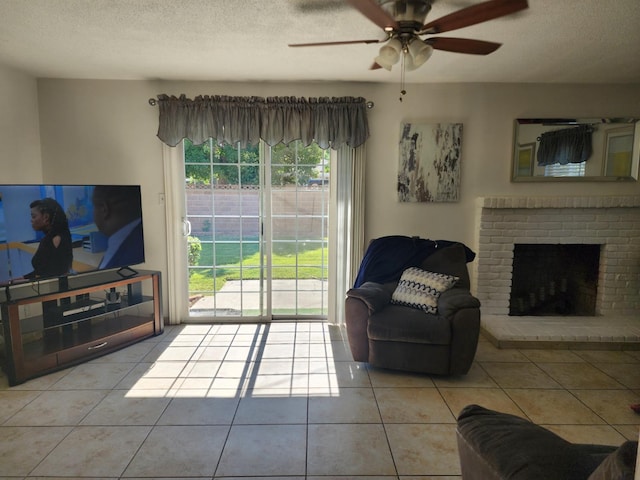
x: 554, y: 279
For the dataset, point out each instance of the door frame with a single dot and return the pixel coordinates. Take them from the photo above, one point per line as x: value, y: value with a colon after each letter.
x: 178, y: 230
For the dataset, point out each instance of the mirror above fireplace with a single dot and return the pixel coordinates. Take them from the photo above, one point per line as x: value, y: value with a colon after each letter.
x: 575, y: 149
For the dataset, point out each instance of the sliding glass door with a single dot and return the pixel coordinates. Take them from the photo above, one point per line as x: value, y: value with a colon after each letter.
x: 258, y: 231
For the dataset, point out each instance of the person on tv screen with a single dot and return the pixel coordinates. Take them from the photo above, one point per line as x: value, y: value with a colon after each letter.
x: 117, y: 212
x: 54, y: 256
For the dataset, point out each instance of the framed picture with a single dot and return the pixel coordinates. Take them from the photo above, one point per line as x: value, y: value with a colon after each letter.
x: 429, y: 163
x: 525, y: 159
x: 618, y: 148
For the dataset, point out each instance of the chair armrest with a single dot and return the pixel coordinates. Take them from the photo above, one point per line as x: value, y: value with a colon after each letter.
x: 375, y: 295
x: 463, y: 311
x: 454, y: 299
x: 360, y: 303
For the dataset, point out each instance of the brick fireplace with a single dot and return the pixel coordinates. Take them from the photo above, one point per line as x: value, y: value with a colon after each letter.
x: 613, y: 222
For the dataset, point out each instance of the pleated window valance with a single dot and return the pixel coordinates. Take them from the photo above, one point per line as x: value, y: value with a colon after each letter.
x: 569, y: 145
x: 330, y: 122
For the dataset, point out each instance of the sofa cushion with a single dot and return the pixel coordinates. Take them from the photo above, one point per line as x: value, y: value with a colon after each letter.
x: 514, y: 448
x: 397, y: 323
x: 450, y: 260
x: 420, y: 289
x: 619, y: 465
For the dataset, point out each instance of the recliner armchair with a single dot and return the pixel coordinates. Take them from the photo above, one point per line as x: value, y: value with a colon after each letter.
x: 395, y: 336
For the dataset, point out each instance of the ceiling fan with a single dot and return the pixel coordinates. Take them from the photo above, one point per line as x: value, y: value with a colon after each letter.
x: 403, y: 22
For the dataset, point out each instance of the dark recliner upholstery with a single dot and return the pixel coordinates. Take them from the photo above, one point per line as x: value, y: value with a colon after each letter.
x: 398, y: 337
x: 500, y: 446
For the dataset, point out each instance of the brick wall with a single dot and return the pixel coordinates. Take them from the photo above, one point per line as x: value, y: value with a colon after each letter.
x: 610, y: 221
x: 296, y: 212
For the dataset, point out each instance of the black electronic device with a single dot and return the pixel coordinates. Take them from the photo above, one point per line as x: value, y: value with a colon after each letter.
x: 134, y: 293
x: 70, y: 312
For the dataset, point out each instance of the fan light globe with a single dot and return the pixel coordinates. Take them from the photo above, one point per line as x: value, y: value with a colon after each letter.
x: 408, y: 64
x: 389, y: 54
x: 420, y: 52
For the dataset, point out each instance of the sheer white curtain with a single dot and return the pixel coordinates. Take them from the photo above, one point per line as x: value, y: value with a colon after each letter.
x: 176, y: 282
x: 347, y: 225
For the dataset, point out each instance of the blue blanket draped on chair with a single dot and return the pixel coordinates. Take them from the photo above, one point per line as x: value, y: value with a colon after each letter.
x: 387, y: 257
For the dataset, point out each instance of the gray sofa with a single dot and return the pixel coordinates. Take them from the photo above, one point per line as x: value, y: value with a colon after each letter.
x: 499, y: 446
x: 388, y: 335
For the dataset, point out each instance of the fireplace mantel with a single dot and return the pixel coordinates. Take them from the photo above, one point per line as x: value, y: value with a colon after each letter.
x: 611, y: 201
x: 611, y: 221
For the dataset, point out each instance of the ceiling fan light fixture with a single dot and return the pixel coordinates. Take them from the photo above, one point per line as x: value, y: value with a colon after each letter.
x: 384, y: 62
x: 389, y: 54
x: 408, y: 63
x: 419, y: 51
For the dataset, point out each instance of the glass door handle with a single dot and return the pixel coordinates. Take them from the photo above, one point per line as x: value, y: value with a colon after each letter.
x: 186, y: 227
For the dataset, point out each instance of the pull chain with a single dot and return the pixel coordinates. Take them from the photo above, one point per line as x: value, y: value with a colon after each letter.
x: 403, y: 92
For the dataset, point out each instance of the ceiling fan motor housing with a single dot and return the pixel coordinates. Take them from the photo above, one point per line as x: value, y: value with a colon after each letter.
x: 410, y: 15
x: 411, y: 12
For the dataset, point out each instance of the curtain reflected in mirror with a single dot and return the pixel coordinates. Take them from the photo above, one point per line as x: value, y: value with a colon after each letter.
x: 561, y: 149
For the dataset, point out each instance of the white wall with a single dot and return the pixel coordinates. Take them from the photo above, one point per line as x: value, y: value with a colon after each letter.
x: 19, y: 128
x: 104, y: 131
x: 487, y: 113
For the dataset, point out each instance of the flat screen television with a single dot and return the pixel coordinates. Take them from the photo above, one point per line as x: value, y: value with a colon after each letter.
x: 103, y: 227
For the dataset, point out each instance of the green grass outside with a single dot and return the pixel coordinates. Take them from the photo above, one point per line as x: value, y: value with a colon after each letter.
x: 234, y: 264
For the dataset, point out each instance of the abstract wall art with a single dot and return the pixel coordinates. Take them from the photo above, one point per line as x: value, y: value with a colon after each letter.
x: 429, y: 165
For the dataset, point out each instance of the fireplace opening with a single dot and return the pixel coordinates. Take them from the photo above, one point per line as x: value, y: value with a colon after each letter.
x: 554, y: 279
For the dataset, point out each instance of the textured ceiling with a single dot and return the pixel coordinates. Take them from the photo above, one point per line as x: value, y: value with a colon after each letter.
x: 554, y: 41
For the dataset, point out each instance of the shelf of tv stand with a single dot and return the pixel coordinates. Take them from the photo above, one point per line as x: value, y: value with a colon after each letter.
x: 88, y: 332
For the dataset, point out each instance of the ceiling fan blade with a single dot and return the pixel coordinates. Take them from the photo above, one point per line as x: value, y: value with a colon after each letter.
x: 474, y: 14
x: 375, y: 13
x: 324, y: 44
x: 463, y: 45
x: 375, y: 66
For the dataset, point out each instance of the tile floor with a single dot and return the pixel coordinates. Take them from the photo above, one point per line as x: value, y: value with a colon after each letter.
x: 286, y: 400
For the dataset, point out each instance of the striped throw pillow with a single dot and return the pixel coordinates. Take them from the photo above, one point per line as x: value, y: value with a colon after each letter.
x: 420, y: 289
